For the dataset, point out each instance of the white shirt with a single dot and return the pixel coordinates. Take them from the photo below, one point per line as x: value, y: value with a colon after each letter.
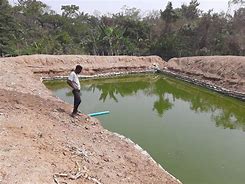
x: 74, y: 79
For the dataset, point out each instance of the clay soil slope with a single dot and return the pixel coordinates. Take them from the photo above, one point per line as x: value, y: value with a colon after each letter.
x: 225, y: 71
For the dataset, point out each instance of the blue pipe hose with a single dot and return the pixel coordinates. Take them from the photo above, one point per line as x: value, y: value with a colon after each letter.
x: 99, y: 113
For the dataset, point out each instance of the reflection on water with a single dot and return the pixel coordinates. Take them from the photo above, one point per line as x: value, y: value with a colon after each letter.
x: 226, y: 112
x: 195, y: 134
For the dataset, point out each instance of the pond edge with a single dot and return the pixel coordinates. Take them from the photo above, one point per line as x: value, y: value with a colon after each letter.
x: 167, y: 72
x: 122, y: 137
x: 212, y: 87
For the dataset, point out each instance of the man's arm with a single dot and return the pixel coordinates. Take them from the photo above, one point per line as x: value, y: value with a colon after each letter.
x: 70, y: 84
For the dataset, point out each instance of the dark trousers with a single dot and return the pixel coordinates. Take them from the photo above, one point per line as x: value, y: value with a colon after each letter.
x: 77, y: 100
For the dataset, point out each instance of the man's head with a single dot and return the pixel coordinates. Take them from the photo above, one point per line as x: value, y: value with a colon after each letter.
x: 78, y: 69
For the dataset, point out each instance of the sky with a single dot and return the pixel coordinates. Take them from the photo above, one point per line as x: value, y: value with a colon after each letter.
x: 114, y: 6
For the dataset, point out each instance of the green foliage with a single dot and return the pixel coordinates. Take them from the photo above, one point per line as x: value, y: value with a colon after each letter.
x: 169, y: 16
x: 32, y: 28
x: 241, y: 2
x: 167, y: 46
x: 190, y: 12
x: 7, y: 28
x: 71, y: 11
x: 32, y: 7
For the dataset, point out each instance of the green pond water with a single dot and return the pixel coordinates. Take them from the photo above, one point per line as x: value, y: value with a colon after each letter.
x: 195, y: 134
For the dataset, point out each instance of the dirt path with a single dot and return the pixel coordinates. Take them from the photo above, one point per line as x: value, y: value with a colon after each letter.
x: 41, y: 143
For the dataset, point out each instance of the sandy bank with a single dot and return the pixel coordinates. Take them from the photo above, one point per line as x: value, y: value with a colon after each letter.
x: 225, y: 74
x: 49, y: 65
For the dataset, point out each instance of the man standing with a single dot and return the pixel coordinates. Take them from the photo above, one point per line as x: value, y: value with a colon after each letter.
x: 73, y: 81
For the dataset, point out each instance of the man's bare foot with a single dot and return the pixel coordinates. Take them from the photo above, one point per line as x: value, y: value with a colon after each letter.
x: 73, y: 115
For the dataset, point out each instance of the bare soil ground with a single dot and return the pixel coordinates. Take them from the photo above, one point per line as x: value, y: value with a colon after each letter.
x: 41, y: 143
x: 225, y: 71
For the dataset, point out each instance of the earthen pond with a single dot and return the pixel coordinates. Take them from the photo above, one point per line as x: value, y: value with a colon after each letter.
x: 195, y: 134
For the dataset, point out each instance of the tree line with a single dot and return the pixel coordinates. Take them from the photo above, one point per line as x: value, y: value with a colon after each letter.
x: 31, y: 27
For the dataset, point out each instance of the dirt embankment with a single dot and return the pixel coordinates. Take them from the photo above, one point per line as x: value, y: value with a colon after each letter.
x: 49, y: 65
x: 23, y: 73
x: 225, y: 72
x: 41, y: 143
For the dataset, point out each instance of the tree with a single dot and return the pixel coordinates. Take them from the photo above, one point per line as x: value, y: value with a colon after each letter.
x: 169, y: 16
x: 31, y: 27
x: 238, y: 37
x: 167, y: 46
x: 71, y: 11
x: 190, y: 12
x: 238, y: 2
x: 131, y: 13
x: 32, y: 7
x: 7, y: 29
